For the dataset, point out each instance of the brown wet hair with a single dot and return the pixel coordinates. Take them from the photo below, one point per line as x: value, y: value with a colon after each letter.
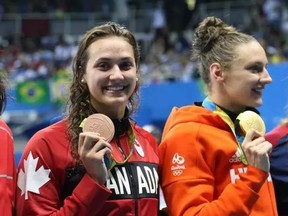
x: 3, y: 92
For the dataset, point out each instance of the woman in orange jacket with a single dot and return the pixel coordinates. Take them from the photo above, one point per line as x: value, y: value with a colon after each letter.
x: 209, y: 165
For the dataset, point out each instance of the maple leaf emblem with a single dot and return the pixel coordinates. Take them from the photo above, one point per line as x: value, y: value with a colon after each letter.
x: 30, y: 179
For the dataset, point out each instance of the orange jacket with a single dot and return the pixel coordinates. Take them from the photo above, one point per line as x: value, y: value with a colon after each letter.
x: 201, y: 172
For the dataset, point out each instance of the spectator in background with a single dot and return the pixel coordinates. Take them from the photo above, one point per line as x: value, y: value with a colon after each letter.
x: 279, y: 165
x: 159, y: 21
x: 272, y: 11
x: 207, y: 166
x: 2, y: 11
x: 7, y: 160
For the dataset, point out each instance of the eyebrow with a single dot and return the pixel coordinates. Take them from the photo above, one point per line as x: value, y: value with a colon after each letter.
x: 257, y: 63
x: 108, y: 59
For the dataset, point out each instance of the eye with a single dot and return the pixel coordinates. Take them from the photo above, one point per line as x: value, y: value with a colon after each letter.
x: 127, y: 65
x: 104, y: 66
x: 256, y: 68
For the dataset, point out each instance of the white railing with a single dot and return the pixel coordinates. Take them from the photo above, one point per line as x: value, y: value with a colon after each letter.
x: 72, y: 23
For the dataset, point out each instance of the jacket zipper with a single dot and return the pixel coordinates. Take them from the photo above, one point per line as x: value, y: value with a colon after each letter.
x: 134, y: 191
x: 119, y: 147
x: 134, y: 187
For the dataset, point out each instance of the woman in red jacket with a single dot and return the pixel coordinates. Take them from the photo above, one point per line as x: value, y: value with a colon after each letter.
x: 7, y: 160
x: 67, y: 171
x: 208, y: 166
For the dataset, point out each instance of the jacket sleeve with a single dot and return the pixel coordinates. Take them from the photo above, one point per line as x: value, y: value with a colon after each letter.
x: 276, y: 134
x: 187, y: 176
x: 279, y: 173
x: 7, y: 171
x: 40, y: 180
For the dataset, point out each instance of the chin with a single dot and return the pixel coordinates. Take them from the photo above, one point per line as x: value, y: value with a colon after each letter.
x: 118, y: 102
x: 258, y: 103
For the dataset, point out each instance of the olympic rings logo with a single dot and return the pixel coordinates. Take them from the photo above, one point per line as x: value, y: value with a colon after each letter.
x: 177, y: 172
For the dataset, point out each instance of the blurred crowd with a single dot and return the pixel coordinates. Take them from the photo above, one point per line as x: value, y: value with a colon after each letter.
x: 167, y: 58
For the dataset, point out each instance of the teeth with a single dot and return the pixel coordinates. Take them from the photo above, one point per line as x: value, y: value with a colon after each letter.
x: 115, y: 88
x: 258, y: 90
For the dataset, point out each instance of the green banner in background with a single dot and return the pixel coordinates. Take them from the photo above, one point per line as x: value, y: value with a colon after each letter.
x: 34, y: 92
x: 59, y: 86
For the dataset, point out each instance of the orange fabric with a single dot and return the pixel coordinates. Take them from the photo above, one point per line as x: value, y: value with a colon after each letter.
x: 201, y: 172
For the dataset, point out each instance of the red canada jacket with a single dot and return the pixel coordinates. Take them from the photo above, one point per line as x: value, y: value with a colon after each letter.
x: 50, y: 183
x: 7, y: 170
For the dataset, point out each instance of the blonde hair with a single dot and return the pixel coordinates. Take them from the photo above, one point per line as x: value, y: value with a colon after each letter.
x: 215, y: 41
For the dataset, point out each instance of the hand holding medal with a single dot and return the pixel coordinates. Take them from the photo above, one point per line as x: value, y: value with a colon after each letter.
x: 256, y: 148
x: 251, y: 120
x: 102, y: 125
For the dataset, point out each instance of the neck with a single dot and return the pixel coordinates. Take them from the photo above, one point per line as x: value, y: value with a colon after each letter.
x: 225, y: 104
x: 112, y: 112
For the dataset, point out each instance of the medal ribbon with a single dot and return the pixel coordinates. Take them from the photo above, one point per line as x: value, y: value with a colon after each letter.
x: 131, y: 140
x: 208, y: 104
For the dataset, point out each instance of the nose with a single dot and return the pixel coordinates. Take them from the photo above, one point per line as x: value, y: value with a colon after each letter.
x: 265, y: 77
x: 116, y: 73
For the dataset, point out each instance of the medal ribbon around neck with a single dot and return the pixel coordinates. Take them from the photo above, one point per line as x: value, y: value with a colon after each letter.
x: 208, y: 104
x: 131, y: 140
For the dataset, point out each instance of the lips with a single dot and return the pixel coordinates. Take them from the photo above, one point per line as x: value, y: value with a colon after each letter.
x: 258, y: 91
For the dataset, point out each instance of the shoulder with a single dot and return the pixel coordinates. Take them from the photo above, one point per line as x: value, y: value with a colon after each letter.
x: 50, y: 144
x: 143, y: 134
x: 276, y: 134
x: 57, y: 127
x: 52, y: 137
x: 5, y: 129
x: 52, y: 132
x: 145, y: 137
x: 278, y: 159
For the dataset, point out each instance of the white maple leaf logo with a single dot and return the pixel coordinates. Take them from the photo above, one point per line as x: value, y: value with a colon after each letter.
x: 30, y: 179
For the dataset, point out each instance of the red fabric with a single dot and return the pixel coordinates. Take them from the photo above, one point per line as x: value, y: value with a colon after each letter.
x: 51, y: 150
x: 277, y: 133
x: 7, y: 170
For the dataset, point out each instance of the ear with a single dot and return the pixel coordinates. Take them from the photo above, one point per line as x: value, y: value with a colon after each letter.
x: 216, y: 71
x: 83, y: 79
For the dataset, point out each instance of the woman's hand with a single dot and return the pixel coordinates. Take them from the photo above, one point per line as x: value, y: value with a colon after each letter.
x: 257, y: 150
x: 92, y: 148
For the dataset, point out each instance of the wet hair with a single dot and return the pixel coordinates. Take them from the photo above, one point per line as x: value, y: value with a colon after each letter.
x: 79, y: 106
x: 3, y: 93
x: 215, y: 41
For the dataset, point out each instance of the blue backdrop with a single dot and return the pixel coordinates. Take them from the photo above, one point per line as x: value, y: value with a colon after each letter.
x: 157, y: 100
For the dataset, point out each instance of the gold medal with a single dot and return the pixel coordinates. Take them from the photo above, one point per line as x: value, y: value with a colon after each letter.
x: 251, y: 120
